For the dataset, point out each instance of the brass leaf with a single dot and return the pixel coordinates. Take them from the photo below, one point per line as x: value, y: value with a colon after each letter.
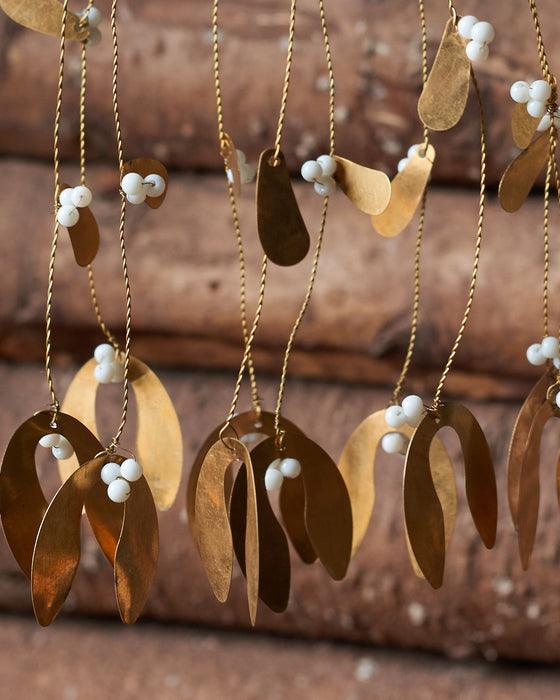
x: 44, y: 16
x: 368, y: 189
x: 523, y: 125
x: 84, y: 236
x: 520, y: 175
x: 292, y: 507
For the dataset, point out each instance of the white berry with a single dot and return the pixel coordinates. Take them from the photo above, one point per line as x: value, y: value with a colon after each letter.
x: 131, y: 470
x: 246, y: 173
x: 104, y: 353
x: 94, y: 37
x: 393, y: 443
x: 136, y: 198
x: 118, y: 490
x: 540, y: 91
x: 81, y: 196
x: 325, y: 186
x: 483, y: 32
x: 536, y: 109
x: 65, y: 197
x: 290, y: 467
x: 402, y: 164
x: 50, y: 440
x: 412, y: 150
x: 544, y: 123
x: 103, y: 373
x: 156, y: 185
x: 549, y: 347
x: 395, y: 416
x: 94, y: 17
x: 476, y: 51
x: 275, y: 464
x: 534, y: 354
x: 519, y: 91
x: 327, y: 164
x: 132, y: 184
x: 273, y: 479
x: 465, y: 25
x: 63, y: 450
x: 311, y: 170
x: 241, y: 157
x: 68, y: 216
x: 110, y: 472
x: 413, y: 408
x: 117, y: 372
x: 556, y: 362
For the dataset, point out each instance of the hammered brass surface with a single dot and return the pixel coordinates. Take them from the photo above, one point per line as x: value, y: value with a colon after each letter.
x: 22, y: 503
x: 242, y: 424
x: 274, y: 553
x: 520, y: 175
x: 529, y: 486
x: 84, y: 236
x: 145, y: 167
x: 57, y: 549
x: 44, y: 16
x: 292, y: 507
x: 523, y: 125
x: 229, y: 153
x: 368, y: 189
x: 520, y: 435
x: 159, y: 442
x: 137, y: 552
x: 445, y: 93
x: 281, y: 227
x: 407, y: 188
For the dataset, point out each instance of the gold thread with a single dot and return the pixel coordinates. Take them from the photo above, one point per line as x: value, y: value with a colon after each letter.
x: 287, y: 75
x: 547, y: 75
x: 546, y: 202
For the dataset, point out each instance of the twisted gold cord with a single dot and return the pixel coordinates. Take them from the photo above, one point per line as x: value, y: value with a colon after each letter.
x: 284, y: 101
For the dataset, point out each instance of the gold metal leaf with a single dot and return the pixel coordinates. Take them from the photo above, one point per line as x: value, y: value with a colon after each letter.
x: 281, y: 227
x: 407, y: 188
x: 137, y: 552
x: 520, y: 435
x: 44, y: 16
x: 292, y: 507
x: 529, y: 487
x: 57, y: 548
x: 368, y: 189
x: 145, y: 167
x: 520, y: 175
x: 445, y: 93
x: 274, y: 554
x: 22, y: 503
x: 84, y: 236
x: 159, y: 443
x: 523, y: 125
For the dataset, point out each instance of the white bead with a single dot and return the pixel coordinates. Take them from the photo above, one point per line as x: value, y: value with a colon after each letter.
x: 556, y: 362
x: 395, y: 416
x: 117, y: 372
x: 328, y: 165
x: 68, y: 216
x: 393, y: 442
x: 156, y: 185
x: 534, y: 354
x: 118, y: 490
x: 50, y: 440
x: 246, y: 173
x: 311, y: 170
x: 536, y: 109
x: 131, y: 470
x: 63, y: 451
x: 519, y: 91
x: 273, y: 479
x: 477, y: 52
x: 103, y: 373
x: 65, y: 197
x: 465, y: 25
x: 401, y: 164
x: 94, y: 17
x: 412, y: 150
x: 81, y: 196
x: 549, y: 347
x: 132, y: 184
x: 325, y: 186
x: 544, y: 123
x: 540, y: 91
x: 558, y: 399
x: 241, y: 157
x: 104, y: 353
x: 290, y: 467
x: 94, y: 37
x: 110, y: 472
x: 250, y: 438
x: 483, y: 32
x: 413, y: 409
x: 275, y: 464
x: 136, y: 198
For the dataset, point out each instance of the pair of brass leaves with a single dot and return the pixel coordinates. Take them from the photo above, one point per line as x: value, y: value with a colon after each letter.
x: 45, y: 538
x: 357, y: 466
x: 45, y: 16
x: 234, y: 515
x: 424, y: 515
x: 524, y: 462
x: 159, y: 442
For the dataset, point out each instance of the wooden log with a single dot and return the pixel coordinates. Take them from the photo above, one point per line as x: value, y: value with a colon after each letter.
x: 166, y: 77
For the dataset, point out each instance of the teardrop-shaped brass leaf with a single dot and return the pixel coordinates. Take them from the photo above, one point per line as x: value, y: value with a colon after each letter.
x: 159, y: 442
x: 57, y: 548
x: 274, y: 555
x: 22, y: 503
x: 281, y: 227
x: 84, y: 236
x: 520, y: 435
x: 445, y: 93
x: 407, y: 188
x: 292, y: 507
x: 368, y: 189
x: 523, y: 125
x: 137, y: 552
x: 520, y: 175
x: 529, y: 486
x: 44, y: 16
x: 145, y: 167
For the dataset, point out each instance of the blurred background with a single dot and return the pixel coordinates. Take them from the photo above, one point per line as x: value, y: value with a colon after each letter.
x: 492, y: 630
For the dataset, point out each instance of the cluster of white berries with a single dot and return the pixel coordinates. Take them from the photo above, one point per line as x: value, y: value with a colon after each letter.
x: 71, y: 199
x: 411, y: 412
x: 137, y: 188
x: 108, y: 369
x: 403, y: 161
x: 536, y: 96
x: 118, y: 476
x: 480, y: 34
x: 93, y: 18
x: 547, y: 349
x: 288, y: 467
x: 320, y: 172
x: 60, y: 446
x: 246, y: 170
